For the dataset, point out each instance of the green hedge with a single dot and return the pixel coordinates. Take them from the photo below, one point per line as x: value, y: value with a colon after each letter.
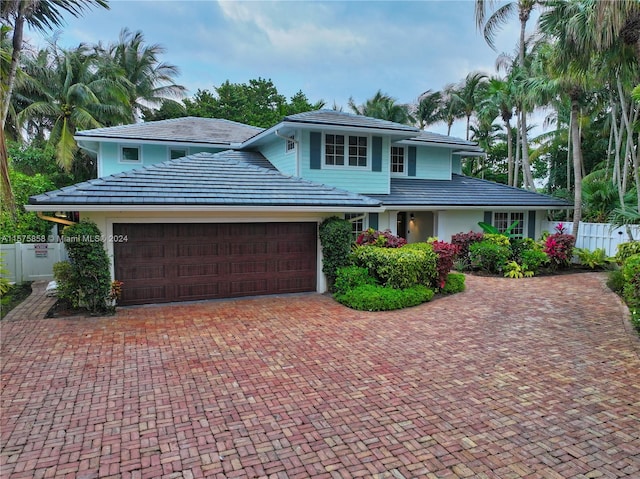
x: 489, y: 256
x: 399, y: 268
x: 454, y: 284
x: 370, y: 297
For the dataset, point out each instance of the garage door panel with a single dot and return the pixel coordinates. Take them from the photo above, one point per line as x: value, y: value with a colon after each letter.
x: 198, y: 250
x: 179, y: 262
x: 198, y: 269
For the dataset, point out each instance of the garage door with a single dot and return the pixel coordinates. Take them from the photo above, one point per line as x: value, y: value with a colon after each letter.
x: 184, y: 262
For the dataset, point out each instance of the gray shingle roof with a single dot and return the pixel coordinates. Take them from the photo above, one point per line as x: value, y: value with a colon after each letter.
x: 430, y: 137
x: 463, y: 191
x: 190, y: 129
x: 340, y: 118
x: 228, y: 178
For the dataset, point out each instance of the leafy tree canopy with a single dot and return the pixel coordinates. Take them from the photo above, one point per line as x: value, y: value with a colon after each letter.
x: 256, y: 103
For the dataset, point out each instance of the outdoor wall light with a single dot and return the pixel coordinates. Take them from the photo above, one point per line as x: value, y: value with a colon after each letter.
x: 412, y: 217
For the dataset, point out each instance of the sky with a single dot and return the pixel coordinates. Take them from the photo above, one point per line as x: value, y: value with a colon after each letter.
x: 331, y: 50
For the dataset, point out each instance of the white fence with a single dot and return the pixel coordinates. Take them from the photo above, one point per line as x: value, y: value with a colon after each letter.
x: 31, y: 261
x: 597, y: 235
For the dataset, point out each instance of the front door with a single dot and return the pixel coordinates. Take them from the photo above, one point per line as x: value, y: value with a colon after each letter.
x: 401, y: 226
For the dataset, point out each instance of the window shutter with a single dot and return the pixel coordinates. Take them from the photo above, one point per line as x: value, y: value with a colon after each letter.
x: 531, y: 227
x: 315, y: 150
x: 411, y: 167
x: 488, y: 217
x: 373, y: 220
x: 376, y: 153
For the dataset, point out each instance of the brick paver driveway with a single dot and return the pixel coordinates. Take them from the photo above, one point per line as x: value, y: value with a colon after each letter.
x: 534, y: 378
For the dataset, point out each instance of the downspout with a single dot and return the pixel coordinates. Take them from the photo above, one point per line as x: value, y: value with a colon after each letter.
x: 297, y: 143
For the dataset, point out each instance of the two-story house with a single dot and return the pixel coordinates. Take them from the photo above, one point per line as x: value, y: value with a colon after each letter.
x: 197, y: 208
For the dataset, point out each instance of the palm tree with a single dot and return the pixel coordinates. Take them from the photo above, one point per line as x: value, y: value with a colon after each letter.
x: 498, y: 101
x: 467, y: 94
x: 523, y: 9
x: 64, y: 93
x: 41, y: 15
x: 566, y: 63
x: 149, y: 81
x: 451, y: 107
x: 383, y: 107
x: 429, y: 110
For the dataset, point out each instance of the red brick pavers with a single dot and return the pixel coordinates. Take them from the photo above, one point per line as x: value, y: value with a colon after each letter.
x: 532, y: 378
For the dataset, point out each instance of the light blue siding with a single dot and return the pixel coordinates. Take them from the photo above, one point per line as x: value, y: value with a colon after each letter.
x: 150, y: 154
x: 456, y: 165
x: 274, y: 152
x: 350, y: 179
x: 433, y: 163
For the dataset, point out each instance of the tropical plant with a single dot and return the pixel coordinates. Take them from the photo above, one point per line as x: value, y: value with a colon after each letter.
x: 148, y: 80
x: 429, y: 109
x: 335, y: 238
x: 596, y: 259
x: 40, y: 15
x: 491, y: 229
x: 384, y: 107
x: 514, y: 270
x: 85, y: 280
x: 65, y: 93
x: 488, y: 256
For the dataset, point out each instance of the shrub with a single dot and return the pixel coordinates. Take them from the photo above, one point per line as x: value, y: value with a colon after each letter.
x: 625, y: 250
x: 631, y: 276
x: 559, y: 249
x: 519, y: 246
x: 335, y: 238
x: 454, y: 284
x: 351, y: 277
x: 489, y: 256
x: 514, y: 270
x: 399, y: 268
x: 498, y: 239
x: 596, y: 259
x: 615, y: 281
x: 379, y: 298
x: 85, y: 280
x: 447, y: 253
x: 463, y: 241
x: 532, y: 260
x: 382, y: 239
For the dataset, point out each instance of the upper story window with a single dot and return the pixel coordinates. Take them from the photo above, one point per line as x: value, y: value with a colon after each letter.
x: 346, y: 150
x: 503, y: 219
x: 398, y: 161
x: 175, y: 153
x: 130, y: 154
x: 290, y: 144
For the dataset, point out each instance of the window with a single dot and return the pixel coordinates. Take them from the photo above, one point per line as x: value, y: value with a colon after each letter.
x: 397, y: 159
x: 175, y: 153
x: 357, y: 223
x: 130, y: 154
x: 290, y: 144
x: 502, y: 221
x: 346, y: 150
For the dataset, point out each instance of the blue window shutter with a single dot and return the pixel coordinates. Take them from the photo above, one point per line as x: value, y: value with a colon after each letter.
x: 315, y: 150
x: 373, y: 220
x: 488, y: 217
x: 411, y: 167
x: 376, y: 153
x: 532, y: 225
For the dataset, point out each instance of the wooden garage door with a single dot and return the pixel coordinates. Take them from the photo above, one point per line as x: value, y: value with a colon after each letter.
x: 184, y: 262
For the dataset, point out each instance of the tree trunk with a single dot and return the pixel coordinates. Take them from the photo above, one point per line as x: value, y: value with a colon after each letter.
x: 577, y: 168
x: 526, y: 166
x: 509, y: 152
x: 5, y: 182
